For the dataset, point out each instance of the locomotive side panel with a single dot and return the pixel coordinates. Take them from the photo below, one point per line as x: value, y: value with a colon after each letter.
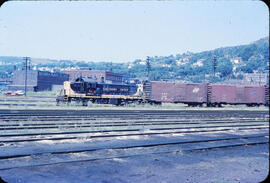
x: 110, y: 89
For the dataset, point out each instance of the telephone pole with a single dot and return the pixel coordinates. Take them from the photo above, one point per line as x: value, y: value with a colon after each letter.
x: 148, y: 66
x: 111, y: 67
x: 214, y: 65
x: 26, y: 64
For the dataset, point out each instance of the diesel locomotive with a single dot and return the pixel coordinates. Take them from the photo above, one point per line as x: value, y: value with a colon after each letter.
x: 86, y: 89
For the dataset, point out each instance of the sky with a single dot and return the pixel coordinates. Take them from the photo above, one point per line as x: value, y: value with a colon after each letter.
x: 122, y: 31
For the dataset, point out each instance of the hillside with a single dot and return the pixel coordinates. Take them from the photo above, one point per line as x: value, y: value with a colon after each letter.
x: 231, y: 62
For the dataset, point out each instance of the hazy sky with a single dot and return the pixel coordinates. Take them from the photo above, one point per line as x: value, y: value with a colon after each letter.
x: 122, y: 31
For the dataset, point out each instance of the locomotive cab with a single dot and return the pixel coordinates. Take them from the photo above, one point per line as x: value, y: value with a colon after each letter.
x: 92, y: 89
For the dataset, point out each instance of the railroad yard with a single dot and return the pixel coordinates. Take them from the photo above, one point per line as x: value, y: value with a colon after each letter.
x: 40, y: 141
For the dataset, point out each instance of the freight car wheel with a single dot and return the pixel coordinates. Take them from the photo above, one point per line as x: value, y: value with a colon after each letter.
x: 157, y: 103
x: 212, y: 105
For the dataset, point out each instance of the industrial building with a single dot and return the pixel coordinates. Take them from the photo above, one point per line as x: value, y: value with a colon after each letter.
x: 98, y: 75
x: 37, y: 80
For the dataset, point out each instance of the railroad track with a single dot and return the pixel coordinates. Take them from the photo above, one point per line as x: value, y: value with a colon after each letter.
x: 130, y: 120
x: 90, y: 123
x: 135, y: 150
x: 127, y: 113
x: 118, y: 126
x: 55, y: 138
x: 94, y: 133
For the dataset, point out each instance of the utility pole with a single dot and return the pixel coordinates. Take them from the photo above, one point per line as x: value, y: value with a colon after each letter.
x: 26, y: 64
x: 214, y: 65
x: 148, y: 66
x: 111, y: 67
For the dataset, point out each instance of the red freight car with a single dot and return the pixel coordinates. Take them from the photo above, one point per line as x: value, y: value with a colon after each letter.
x: 266, y: 95
x: 221, y: 94
x: 254, y: 95
x: 196, y: 94
x: 236, y: 94
x: 192, y: 94
x: 162, y: 91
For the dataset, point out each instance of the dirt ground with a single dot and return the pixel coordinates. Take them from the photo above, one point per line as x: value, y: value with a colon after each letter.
x: 248, y: 164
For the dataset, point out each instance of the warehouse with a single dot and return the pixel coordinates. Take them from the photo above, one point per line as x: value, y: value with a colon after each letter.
x: 98, y: 75
x: 37, y: 80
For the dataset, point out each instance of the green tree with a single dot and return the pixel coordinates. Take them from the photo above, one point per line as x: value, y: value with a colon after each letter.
x: 224, y: 66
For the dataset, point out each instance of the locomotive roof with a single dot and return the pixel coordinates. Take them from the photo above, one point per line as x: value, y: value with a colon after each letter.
x: 90, y: 80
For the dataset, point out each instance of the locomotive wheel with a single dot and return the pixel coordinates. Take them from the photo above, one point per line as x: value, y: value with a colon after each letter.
x: 85, y: 102
x: 68, y: 101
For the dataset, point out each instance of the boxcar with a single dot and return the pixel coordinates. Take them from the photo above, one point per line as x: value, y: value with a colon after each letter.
x: 236, y: 94
x: 254, y: 95
x: 266, y: 95
x: 221, y: 94
x: 192, y: 94
x: 162, y: 91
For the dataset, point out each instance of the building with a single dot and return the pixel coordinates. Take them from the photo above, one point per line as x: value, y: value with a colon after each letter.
x: 250, y: 79
x: 37, y: 80
x: 256, y: 78
x: 236, y: 60
x: 98, y: 75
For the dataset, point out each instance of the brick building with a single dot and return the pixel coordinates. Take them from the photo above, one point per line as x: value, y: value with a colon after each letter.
x: 98, y: 75
x: 37, y: 80
x: 256, y: 78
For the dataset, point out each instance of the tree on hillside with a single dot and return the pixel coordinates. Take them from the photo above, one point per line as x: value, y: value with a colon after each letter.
x: 82, y: 64
x: 224, y: 66
x: 247, y: 52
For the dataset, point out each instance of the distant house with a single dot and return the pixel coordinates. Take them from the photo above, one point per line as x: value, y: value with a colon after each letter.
x: 198, y: 63
x: 236, y: 60
x: 37, y: 80
x: 182, y: 61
